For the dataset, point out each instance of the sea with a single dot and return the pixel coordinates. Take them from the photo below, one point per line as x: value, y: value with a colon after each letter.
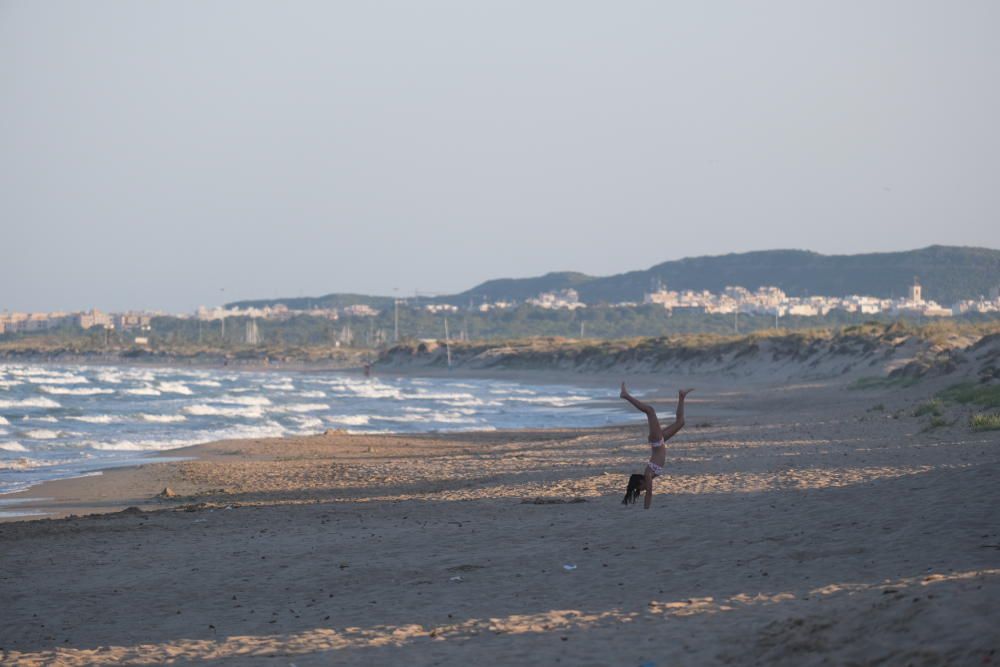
x: 61, y: 421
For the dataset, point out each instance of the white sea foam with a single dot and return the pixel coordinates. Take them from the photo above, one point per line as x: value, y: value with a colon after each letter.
x: 58, y: 379
x: 142, y: 391
x: 174, y: 388
x: 162, y: 419
x: 243, y: 400
x: 309, y: 423
x: 41, y: 434
x: 34, y: 372
x: 350, y: 420
x: 99, y: 419
x: 206, y: 383
x: 109, y: 377
x: 13, y: 446
x: 201, y: 410
x: 316, y: 393
x: 472, y: 402
x: 81, y: 391
x: 269, y: 429
x: 304, y: 407
x: 3, y: 420
x: 119, y: 446
x: 554, y: 401
x: 374, y: 391
x: 7, y: 384
x: 33, y: 402
x: 284, y: 386
x: 23, y: 463
x: 431, y: 396
x: 40, y: 418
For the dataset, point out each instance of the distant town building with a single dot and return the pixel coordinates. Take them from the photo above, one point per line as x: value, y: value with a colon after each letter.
x: 567, y: 299
x: 359, y: 310
x: 441, y: 308
x: 131, y: 321
x: 94, y: 318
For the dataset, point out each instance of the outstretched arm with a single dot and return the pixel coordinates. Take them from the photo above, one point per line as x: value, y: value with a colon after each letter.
x: 647, y: 499
x: 678, y: 424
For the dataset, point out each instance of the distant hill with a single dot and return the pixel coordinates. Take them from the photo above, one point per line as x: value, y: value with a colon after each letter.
x: 947, y: 273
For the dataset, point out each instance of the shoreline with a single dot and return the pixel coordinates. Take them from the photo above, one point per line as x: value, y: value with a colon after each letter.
x: 136, y: 480
x: 531, y: 378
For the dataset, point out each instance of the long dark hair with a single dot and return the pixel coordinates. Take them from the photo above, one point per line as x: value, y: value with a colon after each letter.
x: 635, y: 484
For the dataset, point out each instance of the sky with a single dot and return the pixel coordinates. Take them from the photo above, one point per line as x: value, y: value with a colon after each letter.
x: 167, y: 154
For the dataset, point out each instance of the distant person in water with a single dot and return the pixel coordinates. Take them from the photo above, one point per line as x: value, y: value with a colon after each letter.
x: 658, y: 437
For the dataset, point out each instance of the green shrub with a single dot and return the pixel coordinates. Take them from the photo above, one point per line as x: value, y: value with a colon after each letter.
x: 882, y: 383
x: 928, y: 408
x: 936, y: 422
x: 969, y: 392
x: 985, y: 422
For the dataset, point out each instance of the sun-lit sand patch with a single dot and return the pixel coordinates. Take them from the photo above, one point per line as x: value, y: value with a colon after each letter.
x: 553, y: 621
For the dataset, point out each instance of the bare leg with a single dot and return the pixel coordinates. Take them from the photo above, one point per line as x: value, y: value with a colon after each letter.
x: 655, y: 432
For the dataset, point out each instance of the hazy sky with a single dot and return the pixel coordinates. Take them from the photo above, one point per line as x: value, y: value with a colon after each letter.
x: 154, y: 153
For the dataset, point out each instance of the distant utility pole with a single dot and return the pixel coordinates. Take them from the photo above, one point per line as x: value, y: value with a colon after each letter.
x: 223, y: 335
x: 395, y: 304
x: 447, y: 344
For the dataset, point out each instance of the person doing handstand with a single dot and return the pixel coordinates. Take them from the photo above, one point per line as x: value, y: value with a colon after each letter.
x: 658, y: 437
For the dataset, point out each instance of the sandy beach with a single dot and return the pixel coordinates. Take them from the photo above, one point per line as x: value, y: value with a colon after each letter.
x: 797, y: 524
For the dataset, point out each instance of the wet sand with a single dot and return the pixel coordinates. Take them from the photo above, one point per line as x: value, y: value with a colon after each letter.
x: 796, y: 525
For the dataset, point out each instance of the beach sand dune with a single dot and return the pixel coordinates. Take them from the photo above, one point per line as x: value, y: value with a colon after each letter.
x: 794, y: 527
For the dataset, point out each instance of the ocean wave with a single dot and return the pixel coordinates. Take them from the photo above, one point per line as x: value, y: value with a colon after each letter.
x: 174, y: 388
x: 3, y: 420
x: 99, y: 419
x: 373, y: 390
x: 39, y: 418
x: 206, y: 383
x: 58, y: 379
x: 242, y: 400
x: 142, y: 391
x: 82, y: 391
x: 33, y: 402
x: 41, y: 434
x: 350, y: 420
x: 267, y: 430
x: 472, y: 402
x: 432, y: 396
x: 308, y: 423
x: 23, y: 463
x: 201, y: 410
x: 109, y: 377
x: 284, y: 386
x: 119, y: 446
x: 7, y: 384
x: 314, y: 393
x: 554, y: 401
x: 303, y: 407
x: 162, y: 419
x: 13, y: 446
